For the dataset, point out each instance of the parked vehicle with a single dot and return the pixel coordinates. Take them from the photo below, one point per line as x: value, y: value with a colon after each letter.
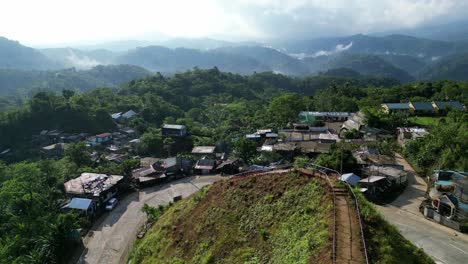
x: 111, y: 204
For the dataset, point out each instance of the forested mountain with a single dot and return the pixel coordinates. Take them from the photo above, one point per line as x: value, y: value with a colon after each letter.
x: 165, y: 60
x: 453, y: 67
x: 393, y: 44
x: 13, y: 55
x: 24, y: 82
x: 366, y: 65
x: 410, y: 64
x: 275, y: 60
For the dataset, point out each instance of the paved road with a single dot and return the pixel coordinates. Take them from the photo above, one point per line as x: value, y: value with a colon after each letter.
x: 444, y: 245
x: 112, y: 238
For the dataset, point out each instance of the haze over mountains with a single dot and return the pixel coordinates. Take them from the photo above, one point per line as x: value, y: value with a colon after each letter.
x: 402, y: 57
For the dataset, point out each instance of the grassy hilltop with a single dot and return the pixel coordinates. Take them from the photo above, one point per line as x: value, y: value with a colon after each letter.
x: 275, y: 218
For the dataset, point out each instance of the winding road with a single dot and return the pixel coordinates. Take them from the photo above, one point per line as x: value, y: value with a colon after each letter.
x: 111, y: 239
x: 444, y: 245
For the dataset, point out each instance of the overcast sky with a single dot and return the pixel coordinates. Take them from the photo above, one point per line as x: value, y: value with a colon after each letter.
x: 39, y: 22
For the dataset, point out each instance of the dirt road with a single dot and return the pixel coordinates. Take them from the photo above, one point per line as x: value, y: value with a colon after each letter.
x: 444, y: 245
x: 348, y: 234
x: 111, y: 239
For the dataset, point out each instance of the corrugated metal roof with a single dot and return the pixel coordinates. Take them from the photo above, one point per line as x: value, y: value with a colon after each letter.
x: 423, y: 106
x: 172, y: 126
x: 350, y: 178
x: 449, y: 104
x: 325, y: 114
x: 397, y: 105
x: 129, y: 114
x: 373, y: 179
x: 203, y: 149
x: 80, y: 203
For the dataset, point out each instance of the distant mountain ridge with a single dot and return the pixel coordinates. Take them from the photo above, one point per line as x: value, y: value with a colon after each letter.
x: 13, y: 55
x: 394, y: 56
x: 391, y: 44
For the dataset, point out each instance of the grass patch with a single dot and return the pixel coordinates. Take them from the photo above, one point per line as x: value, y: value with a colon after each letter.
x: 268, y: 219
x: 426, y: 121
x: 384, y: 242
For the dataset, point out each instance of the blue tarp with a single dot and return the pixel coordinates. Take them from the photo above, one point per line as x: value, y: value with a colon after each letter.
x: 350, y: 178
x: 80, y: 203
x: 444, y: 183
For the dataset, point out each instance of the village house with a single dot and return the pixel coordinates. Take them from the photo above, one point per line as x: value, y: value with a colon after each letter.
x: 395, y: 107
x: 313, y: 147
x: 97, y: 187
x: 205, y: 166
x: 208, y: 151
x: 374, y: 186
x: 308, y: 117
x: 115, y: 157
x: 122, y: 117
x: 351, y: 178
x: 449, y: 198
x: 99, y: 139
x: 356, y: 122
x: 394, y: 174
x: 47, y: 137
x: 155, y: 171
x: 54, y: 151
x: 262, y: 135
x: 366, y: 156
x: 421, y: 108
x: 147, y: 176
x: 72, y: 138
x: 169, y: 130
x: 441, y: 107
x: 410, y: 133
x: 85, y: 206
x: 229, y: 167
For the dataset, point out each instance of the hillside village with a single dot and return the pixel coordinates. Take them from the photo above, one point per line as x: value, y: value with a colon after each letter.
x: 132, y: 152
x: 256, y: 132
x: 378, y: 177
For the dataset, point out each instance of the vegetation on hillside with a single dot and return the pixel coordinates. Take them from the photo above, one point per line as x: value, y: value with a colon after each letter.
x: 23, y: 83
x: 266, y: 219
x: 216, y: 107
x: 446, y: 147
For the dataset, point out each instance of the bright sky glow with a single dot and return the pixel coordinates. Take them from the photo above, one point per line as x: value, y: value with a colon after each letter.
x: 39, y: 22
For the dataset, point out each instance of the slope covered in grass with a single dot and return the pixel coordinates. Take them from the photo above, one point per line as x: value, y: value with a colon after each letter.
x: 278, y: 218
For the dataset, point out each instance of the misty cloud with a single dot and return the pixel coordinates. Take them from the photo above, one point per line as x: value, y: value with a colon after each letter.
x: 339, y: 48
x: 81, y: 62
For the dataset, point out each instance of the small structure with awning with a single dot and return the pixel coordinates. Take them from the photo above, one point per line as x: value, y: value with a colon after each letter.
x: 350, y: 178
x: 87, y: 206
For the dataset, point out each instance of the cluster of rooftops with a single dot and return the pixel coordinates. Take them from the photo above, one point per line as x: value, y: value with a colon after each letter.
x: 413, y: 107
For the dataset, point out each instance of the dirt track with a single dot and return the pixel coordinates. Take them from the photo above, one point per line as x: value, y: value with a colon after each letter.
x: 348, y: 234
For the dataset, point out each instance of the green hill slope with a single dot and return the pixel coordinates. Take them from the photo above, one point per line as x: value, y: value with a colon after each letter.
x: 273, y: 218
x: 267, y: 219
